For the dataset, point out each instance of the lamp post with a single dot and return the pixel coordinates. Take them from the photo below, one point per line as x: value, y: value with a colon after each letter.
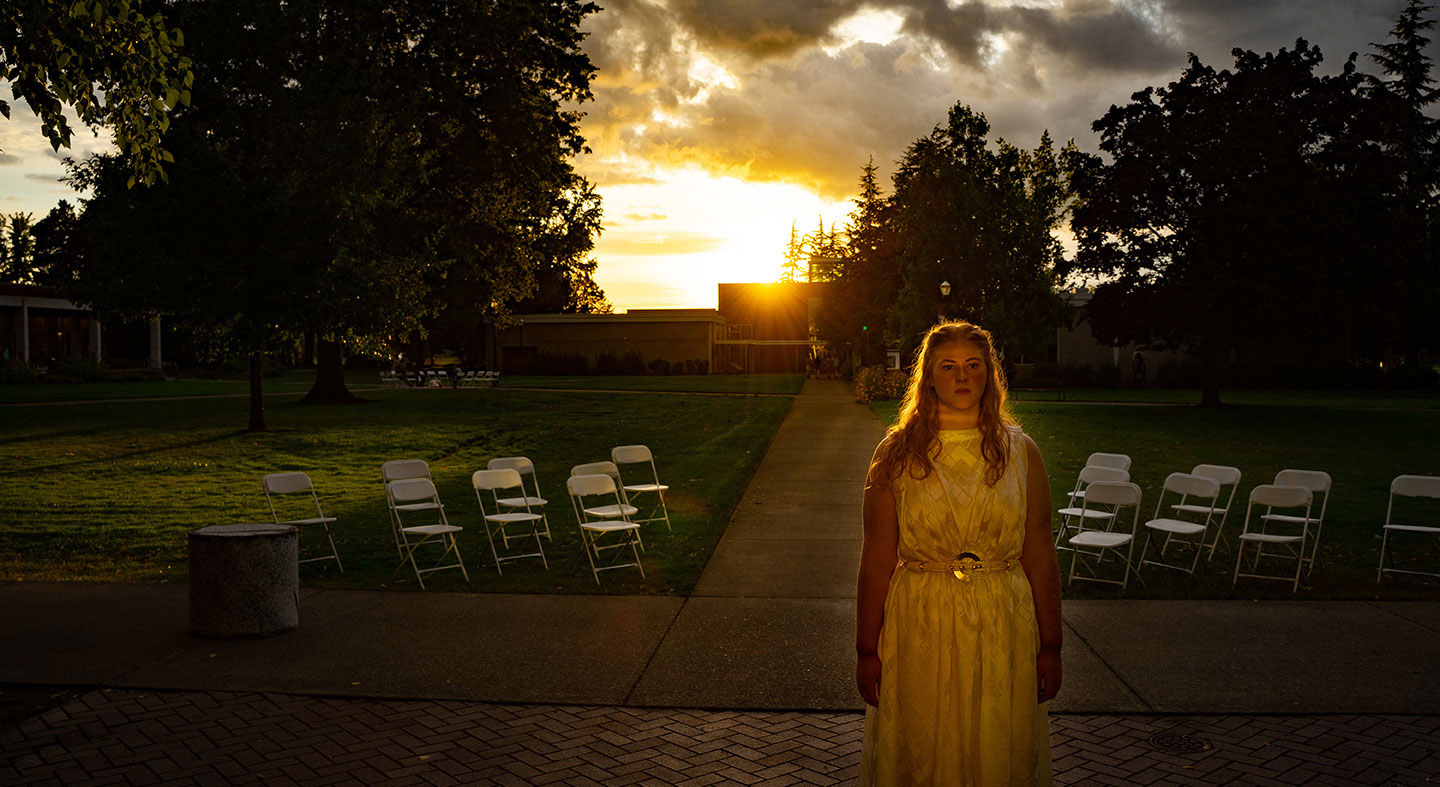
x: 524, y: 359
x: 944, y: 296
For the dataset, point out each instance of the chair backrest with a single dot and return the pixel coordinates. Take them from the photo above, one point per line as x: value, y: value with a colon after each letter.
x: 1113, y: 493
x: 286, y: 483
x: 504, y: 478
x: 401, y: 469
x: 1314, y: 480
x: 1224, y: 475
x: 587, y: 484
x: 1098, y: 459
x: 590, y: 468
x: 407, y: 489
x: 1281, y: 496
x: 1192, y: 485
x: 519, y: 464
x: 630, y: 454
x: 1098, y: 473
x: 1416, y: 486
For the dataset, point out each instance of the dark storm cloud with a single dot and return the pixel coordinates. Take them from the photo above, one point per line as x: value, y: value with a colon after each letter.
x: 764, y: 28
x: 1090, y: 34
x: 801, y: 105
x: 7, y: 159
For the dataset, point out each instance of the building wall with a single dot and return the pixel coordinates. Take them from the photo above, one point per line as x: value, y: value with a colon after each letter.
x: 673, y: 341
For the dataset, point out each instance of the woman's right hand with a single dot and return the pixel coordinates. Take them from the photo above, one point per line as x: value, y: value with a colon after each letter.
x: 867, y: 678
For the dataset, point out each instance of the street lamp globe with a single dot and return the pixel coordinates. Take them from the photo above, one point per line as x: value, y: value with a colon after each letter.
x: 944, y: 289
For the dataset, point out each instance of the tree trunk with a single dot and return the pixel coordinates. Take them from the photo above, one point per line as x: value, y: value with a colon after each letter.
x: 257, y: 395
x: 1210, y: 357
x: 329, y: 387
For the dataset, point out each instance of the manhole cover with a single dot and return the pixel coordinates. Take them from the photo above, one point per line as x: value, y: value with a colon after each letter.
x: 1179, y: 742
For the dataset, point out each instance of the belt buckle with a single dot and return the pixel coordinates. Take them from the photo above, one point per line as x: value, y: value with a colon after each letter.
x: 969, y: 564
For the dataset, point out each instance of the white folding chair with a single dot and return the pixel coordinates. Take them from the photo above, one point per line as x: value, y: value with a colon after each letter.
x: 1318, y: 483
x: 597, y: 521
x: 1098, y: 459
x: 1088, y: 475
x: 533, y: 503
x: 1224, y: 475
x: 1413, y: 486
x: 499, y: 522
x: 640, y: 455
x: 622, y: 509
x: 280, y: 484
x: 412, y: 496
x: 1194, y: 490
x: 1118, y: 496
x: 400, y: 470
x: 1273, y: 496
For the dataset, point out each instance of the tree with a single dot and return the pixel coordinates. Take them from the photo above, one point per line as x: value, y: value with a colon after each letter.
x: 1233, y: 208
x: 53, y: 238
x: 388, y: 163
x: 17, y: 248
x: 1410, y: 136
x: 867, y: 277
x: 112, y: 62
x: 982, y: 220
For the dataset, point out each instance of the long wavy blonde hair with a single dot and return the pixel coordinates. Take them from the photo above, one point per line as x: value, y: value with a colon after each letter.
x: 912, y: 444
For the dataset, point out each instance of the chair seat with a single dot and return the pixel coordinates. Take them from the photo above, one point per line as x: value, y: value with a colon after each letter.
x: 1095, y: 538
x: 432, y: 530
x: 521, y: 502
x: 1269, y: 538
x: 1414, y: 528
x: 314, y: 520
x: 609, y: 527
x: 647, y: 488
x: 1292, y: 519
x: 508, y: 519
x: 1175, y: 526
x: 1194, y: 509
x: 612, y: 511
x: 1087, y: 513
x: 418, y: 506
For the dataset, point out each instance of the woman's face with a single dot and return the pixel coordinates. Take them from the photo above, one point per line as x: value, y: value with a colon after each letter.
x: 958, y: 375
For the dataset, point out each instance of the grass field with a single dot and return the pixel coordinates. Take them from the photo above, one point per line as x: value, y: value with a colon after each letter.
x: 299, y: 381
x: 697, y: 383
x: 1361, y: 446
x: 108, y: 490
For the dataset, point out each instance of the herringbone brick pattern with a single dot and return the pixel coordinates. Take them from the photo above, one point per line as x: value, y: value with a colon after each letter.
x: 116, y: 736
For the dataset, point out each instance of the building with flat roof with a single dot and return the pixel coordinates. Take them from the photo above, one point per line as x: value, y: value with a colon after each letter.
x: 38, y: 325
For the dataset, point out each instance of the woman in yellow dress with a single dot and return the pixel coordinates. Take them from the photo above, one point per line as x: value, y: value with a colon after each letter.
x: 958, y: 635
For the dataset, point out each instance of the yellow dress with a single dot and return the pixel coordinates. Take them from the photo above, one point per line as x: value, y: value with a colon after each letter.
x: 957, y: 687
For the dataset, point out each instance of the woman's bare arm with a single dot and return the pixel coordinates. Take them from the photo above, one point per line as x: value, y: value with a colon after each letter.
x: 1043, y: 570
x: 877, y: 564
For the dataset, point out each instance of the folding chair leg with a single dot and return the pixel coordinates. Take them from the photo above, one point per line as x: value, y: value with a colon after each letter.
x: 1384, y: 542
x: 633, y: 535
x: 493, y: 553
x: 333, y: 550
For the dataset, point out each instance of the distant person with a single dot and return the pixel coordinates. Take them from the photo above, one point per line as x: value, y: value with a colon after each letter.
x: 958, y: 609
x: 1137, y: 368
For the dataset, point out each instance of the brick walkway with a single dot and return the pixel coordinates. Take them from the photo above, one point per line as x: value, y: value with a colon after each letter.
x: 116, y: 736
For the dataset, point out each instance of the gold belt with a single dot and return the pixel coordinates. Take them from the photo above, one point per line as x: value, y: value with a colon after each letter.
x: 963, y: 566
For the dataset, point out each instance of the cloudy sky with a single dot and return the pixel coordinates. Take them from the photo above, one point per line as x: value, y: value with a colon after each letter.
x: 719, y: 123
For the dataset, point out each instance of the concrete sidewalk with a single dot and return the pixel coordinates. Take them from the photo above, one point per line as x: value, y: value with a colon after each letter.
x: 769, y: 627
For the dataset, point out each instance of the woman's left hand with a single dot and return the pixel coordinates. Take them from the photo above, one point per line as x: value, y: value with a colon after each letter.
x: 1047, y: 671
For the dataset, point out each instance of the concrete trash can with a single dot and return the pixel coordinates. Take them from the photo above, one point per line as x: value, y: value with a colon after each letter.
x: 244, y: 581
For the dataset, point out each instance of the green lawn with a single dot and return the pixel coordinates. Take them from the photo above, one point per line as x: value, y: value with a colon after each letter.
x: 1424, y: 400
x: 697, y: 383
x: 108, y: 490
x: 1362, y: 447
x: 299, y: 381
x: 294, y: 381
